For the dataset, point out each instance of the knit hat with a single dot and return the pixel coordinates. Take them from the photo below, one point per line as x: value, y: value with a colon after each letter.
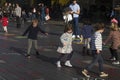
x: 114, y: 21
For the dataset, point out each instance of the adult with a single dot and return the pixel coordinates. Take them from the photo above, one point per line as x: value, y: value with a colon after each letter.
x: 75, y: 12
x: 18, y: 12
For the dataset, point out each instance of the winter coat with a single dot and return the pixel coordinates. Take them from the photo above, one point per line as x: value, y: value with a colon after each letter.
x: 114, y: 36
x: 67, y: 39
x: 4, y: 21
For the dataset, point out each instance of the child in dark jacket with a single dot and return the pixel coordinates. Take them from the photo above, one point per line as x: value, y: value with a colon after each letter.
x: 32, y: 31
x: 87, y: 32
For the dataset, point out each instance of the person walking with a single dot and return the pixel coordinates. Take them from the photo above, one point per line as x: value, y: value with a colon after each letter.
x: 114, y: 36
x: 96, y: 47
x: 66, y: 50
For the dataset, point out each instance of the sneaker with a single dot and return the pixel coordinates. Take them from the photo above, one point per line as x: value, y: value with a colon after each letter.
x: 78, y: 36
x: 58, y: 64
x: 112, y: 59
x: 102, y: 74
x: 28, y: 56
x: 116, y: 62
x: 85, y: 73
x: 67, y: 63
x: 73, y: 36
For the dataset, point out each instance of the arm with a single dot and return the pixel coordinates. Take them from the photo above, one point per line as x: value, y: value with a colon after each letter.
x: 26, y: 31
x: 108, y: 38
x: 63, y: 39
x: 98, y: 42
x: 42, y: 31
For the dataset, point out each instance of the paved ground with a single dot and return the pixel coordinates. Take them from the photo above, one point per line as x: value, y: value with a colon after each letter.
x: 15, y: 66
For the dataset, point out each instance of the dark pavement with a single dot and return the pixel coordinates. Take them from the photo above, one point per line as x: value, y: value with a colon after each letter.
x: 15, y: 66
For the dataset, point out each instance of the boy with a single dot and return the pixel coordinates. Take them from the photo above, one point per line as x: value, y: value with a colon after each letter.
x: 96, y: 46
x: 32, y: 31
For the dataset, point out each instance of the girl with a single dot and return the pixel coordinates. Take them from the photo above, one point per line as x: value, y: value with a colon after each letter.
x: 32, y: 31
x: 114, y: 36
x: 4, y: 21
x: 66, y: 50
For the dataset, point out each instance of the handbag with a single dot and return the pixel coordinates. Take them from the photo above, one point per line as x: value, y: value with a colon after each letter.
x: 47, y: 17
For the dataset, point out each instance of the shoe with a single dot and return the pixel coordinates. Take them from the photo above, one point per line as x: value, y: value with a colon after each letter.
x: 85, y: 73
x: 67, y: 63
x: 28, y: 56
x: 73, y: 36
x: 78, y: 36
x: 112, y: 59
x: 58, y: 64
x: 37, y: 53
x: 116, y: 62
x: 102, y: 74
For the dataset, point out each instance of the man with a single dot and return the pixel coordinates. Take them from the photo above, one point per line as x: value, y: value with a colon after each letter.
x: 75, y: 12
x: 18, y: 11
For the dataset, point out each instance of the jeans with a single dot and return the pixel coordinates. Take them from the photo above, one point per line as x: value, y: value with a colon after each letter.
x: 96, y: 58
x: 18, y: 20
x: 76, y: 26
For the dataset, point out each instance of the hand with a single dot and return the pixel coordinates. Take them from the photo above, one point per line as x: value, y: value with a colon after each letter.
x: 98, y: 52
x: 64, y: 44
x: 46, y: 33
x: 104, y: 43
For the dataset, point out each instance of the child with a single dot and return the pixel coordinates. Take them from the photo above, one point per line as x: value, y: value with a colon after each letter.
x: 114, y: 36
x: 66, y: 50
x: 32, y: 31
x: 96, y: 46
x: 87, y: 32
x: 4, y: 21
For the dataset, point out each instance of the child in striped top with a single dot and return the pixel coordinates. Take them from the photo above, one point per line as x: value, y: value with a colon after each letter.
x: 96, y: 47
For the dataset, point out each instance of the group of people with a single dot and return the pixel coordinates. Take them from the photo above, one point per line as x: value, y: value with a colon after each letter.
x: 92, y: 37
x: 92, y: 40
x: 15, y: 12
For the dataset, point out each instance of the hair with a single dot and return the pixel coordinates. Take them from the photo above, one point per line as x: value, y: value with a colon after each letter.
x: 35, y: 21
x: 114, y: 27
x: 5, y: 15
x: 68, y: 27
x: 99, y: 26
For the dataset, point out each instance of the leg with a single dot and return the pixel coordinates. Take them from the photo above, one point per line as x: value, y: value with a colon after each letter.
x: 116, y: 57
x: 29, y: 46
x: 36, y: 47
x: 59, y: 60
x: 67, y: 63
x: 112, y: 54
x: 100, y: 62
x: 88, y: 45
x: 94, y: 60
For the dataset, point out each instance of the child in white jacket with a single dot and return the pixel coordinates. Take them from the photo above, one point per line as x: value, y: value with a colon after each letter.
x: 66, y: 50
